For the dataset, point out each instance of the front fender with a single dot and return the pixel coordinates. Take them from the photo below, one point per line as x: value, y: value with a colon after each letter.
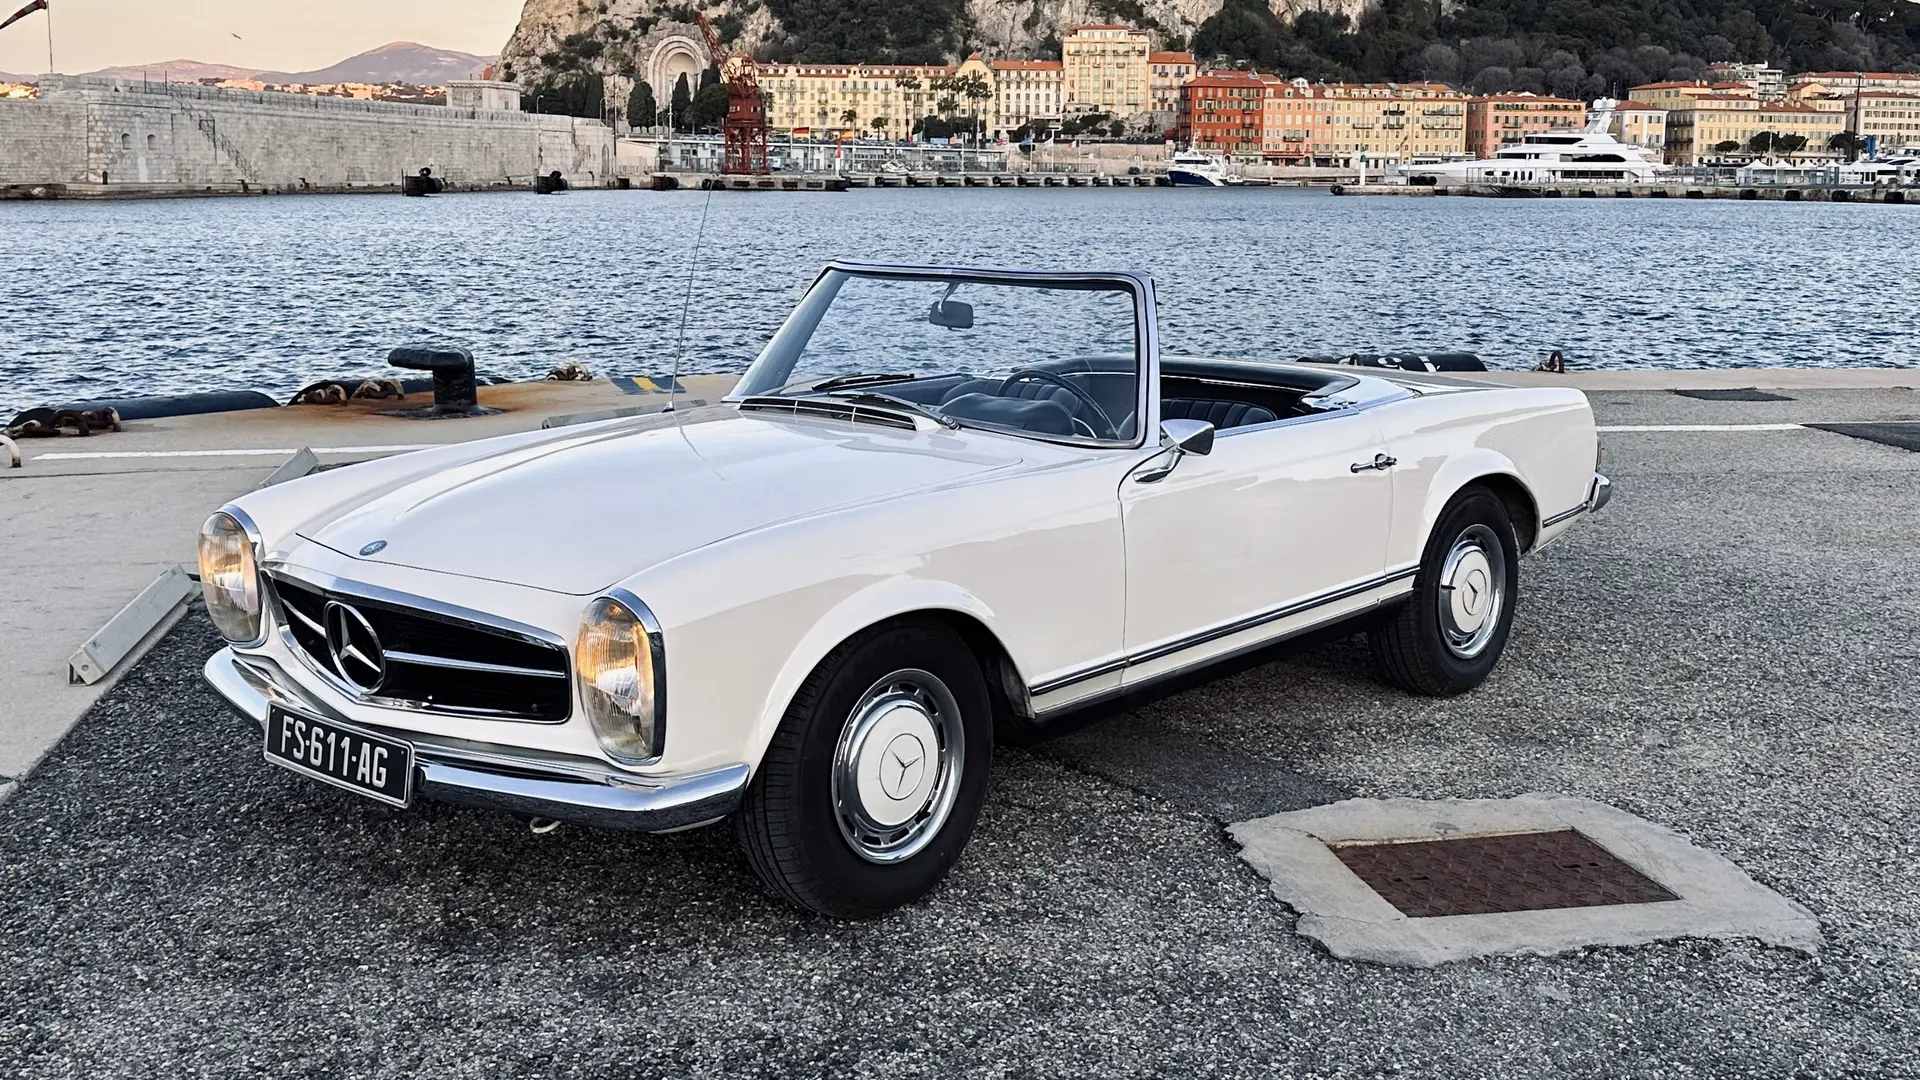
x: 884, y: 599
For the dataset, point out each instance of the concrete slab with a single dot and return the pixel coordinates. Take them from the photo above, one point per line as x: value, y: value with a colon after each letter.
x: 1716, y: 898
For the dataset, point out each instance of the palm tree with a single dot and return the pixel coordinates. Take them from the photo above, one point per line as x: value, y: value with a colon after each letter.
x: 879, y: 125
x: 850, y: 117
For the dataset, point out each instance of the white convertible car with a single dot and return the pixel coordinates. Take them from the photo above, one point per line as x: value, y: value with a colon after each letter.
x: 942, y: 504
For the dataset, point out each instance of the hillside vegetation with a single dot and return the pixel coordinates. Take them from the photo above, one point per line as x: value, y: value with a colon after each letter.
x: 1575, y: 48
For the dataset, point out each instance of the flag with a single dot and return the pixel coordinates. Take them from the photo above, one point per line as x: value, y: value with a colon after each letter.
x: 37, y: 5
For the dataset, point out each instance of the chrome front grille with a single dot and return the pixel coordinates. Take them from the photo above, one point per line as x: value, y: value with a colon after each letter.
x: 386, y: 652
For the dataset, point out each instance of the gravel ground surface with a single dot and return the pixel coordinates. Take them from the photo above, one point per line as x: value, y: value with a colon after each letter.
x: 1730, y: 650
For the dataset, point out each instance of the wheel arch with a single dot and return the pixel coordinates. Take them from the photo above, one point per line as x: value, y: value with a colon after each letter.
x: 887, y: 604
x: 1501, y: 478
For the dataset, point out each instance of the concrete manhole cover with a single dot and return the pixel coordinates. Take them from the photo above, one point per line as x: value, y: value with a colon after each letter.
x: 1478, y: 875
x: 1419, y: 883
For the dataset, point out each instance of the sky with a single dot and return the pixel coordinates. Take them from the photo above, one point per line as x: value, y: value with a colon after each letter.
x: 276, y: 35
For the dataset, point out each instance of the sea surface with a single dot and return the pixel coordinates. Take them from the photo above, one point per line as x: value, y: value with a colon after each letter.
x: 126, y: 298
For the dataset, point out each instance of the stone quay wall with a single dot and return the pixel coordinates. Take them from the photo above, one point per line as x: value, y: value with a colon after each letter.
x: 106, y: 134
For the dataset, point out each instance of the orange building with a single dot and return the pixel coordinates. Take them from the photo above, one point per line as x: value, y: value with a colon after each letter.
x: 1221, y: 111
x: 1499, y: 120
x: 1306, y: 123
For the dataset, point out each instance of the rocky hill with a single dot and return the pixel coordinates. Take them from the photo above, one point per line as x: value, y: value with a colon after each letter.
x: 614, y: 36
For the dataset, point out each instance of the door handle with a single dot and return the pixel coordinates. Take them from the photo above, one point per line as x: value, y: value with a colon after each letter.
x: 1380, y: 461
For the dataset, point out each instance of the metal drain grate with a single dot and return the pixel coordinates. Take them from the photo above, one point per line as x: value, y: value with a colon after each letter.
x: 1478, y: 875
x: 1747, y: 393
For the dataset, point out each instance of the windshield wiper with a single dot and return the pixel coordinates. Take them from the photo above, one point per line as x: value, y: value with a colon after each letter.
x: 900, y: 403
x: 864, y: 378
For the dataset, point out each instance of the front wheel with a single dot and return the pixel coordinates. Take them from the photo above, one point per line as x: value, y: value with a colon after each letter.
x: 873, y: 781
x: 1447, y: 637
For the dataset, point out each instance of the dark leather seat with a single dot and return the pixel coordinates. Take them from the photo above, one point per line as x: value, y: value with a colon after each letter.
x: 1221, y: 414
x: 1043, y: 417
x: 1024, y: 390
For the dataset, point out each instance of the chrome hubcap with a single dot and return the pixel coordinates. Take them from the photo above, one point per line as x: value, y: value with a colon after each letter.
x: 1473, y: 592
x: 896, y: 769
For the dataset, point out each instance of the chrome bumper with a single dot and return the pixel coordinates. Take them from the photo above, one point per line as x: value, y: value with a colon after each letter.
x: 496, y: 778
x: 1601, y: 492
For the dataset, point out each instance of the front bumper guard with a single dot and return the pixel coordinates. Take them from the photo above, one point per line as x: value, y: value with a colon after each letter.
x: 496, y: 779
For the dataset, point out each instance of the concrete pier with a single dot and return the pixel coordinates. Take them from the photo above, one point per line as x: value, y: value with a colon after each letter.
x: 1726, y: 651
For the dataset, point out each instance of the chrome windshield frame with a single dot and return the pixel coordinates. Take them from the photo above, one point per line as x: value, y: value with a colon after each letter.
x: 1137, y: 283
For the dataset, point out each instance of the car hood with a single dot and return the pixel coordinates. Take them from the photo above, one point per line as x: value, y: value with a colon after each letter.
x: 581, y: 513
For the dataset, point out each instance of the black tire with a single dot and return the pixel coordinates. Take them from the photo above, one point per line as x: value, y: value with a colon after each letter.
x: 789, y: 824
x: 1411, y: 645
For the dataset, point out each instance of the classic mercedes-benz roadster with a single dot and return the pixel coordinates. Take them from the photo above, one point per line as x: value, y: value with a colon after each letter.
x: 943, y: 505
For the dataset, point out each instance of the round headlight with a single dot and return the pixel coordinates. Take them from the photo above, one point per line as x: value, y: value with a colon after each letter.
x: 616, y: 663
x: 229, y: 578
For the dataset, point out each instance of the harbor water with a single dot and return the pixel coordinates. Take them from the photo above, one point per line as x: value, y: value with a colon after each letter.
x: 121, y: 298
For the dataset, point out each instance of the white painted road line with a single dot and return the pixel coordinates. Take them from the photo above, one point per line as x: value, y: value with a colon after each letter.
x: 96, y: 455
x: 1701, y: 427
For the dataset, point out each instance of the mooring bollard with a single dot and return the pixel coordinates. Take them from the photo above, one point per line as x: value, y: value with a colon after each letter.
x: 455, y: 387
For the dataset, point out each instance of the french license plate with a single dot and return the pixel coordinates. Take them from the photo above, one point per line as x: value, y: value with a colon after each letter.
x: 344, y: 756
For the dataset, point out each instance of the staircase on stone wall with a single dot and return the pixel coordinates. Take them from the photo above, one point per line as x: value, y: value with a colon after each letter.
x: 210, y: 127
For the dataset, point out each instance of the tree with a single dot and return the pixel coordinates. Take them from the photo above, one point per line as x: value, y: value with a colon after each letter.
x: 850, y: 117
x: 1762, y: 141
x: 709, y: 109
x: 1789, y: 144
x: 879, y: 124
x: 1847, y: 143
x: 641, y: 109
x: 567, y: 95
x: 1241, y: 30
x: 1726, y: 147
x: 681, y: 105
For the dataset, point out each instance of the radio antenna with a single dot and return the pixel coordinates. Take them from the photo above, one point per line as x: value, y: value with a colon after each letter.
x: 686, y: 302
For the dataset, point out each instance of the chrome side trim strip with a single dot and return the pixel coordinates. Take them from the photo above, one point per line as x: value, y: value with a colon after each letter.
x: 1556, y: 519
x: 421, y: 660
x: 1250, y: 622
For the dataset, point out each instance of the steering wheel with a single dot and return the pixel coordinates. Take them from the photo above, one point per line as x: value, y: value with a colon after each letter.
x: 1093, y: 407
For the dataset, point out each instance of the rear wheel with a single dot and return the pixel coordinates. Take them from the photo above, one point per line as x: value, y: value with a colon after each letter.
x: 1449, y: 635
x: 874, y: 779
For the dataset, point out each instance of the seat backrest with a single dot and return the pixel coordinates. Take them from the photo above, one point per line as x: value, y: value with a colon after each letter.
x: 1221, y: 414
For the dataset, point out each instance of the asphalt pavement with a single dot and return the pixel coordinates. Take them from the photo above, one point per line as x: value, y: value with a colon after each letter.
x: 1732, y: 649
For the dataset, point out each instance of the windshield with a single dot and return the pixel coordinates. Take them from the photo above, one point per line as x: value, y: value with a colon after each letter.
x: 1058, y: 359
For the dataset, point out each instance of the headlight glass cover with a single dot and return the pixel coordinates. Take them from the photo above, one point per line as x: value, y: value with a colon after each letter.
x: 617, y: 663
x: 229, y: 578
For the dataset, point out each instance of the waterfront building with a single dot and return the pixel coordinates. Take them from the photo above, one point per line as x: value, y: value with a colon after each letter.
x: 1106, y: 70
x: 1167, y: 72
x: 1498, y: 120
x: 1669, y: 95
x: 1890, y: 117
x: 1221, y: 112
x: 1767, y: 83
x: 874, y: 100
x: 1029, y: 92
x: 1822, y: 83
x: 1641, y: 124
x: 1306, y: 123
x: 1698, y: 129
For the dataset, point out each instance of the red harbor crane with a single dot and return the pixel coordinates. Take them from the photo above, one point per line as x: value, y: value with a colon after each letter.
x: 745, y: 132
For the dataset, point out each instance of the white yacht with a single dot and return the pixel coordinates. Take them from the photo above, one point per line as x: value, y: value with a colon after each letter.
x: 1193, y: 168
x: 1588, y: 156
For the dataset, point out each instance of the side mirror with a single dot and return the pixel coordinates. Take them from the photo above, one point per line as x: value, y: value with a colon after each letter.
x: 951, y: 314
x: 1178, y: 438
x: 1187, y: 436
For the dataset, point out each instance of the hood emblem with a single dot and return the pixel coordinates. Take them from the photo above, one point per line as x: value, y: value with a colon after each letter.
x: 374, y: 548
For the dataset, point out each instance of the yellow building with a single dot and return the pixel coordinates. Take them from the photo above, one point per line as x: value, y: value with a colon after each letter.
x: 1697, y: 129
x: 1668, y: 95
x: 1891, y: 117
x: 1106, y: 70
x: 881, y: 100
x: 1641, y: 124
